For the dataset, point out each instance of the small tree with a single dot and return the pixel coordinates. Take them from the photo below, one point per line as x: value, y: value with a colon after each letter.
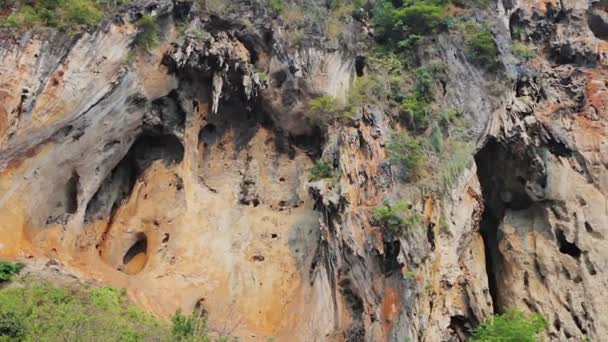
x: 512, y: 326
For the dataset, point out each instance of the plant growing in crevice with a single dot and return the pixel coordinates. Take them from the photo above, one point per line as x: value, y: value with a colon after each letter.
x: 408, y: 152
x: 417, y: 107
x: 395, y: 219
x: 480, y: 45
x: 321, y: 110
x: 321, y: 170
x: 523, y: 52
x: 149, y: 33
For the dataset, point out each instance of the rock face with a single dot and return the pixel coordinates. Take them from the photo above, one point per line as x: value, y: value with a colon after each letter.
x: 181, y: 174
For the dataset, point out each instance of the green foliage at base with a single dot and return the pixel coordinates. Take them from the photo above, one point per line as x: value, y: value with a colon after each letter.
x: 42, y: 312
x: 149, y: 33
x: 9, y: 269
x: 320, y: 170
x: 512, y: 326
x: 66, y: 15
x: 395, y: 219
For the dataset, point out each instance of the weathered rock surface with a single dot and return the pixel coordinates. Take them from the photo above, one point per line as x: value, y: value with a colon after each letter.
x: 181, y: 175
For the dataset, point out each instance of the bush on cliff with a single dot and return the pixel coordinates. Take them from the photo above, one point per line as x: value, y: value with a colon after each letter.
x: 149, y: 33
x: 512, y: 326
x: 9, y: 269
x: 395, y: 219
x: 66, y: 15
x: 37, y: 311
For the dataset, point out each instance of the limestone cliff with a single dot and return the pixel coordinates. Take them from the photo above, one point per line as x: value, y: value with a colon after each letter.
x: 181, y: 173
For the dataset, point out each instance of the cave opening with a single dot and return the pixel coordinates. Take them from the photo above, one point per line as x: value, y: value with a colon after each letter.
x: 503, y: 175
x: 136, y: 257
x: 119, y: 183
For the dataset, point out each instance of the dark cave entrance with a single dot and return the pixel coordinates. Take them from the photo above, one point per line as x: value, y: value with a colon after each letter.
x: 503, y: 175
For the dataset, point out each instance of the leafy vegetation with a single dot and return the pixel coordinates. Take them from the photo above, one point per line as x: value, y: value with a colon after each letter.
x: 149, y: 33
x: 41, y: 312
x: 277, y: 5
x: 407, y: 152
x: 9, y: 269
x: 523, y: 52
x: 417, y: 107
x: 512, y: 326
x: 415, y: 17
x: 322, y: 109
x: 321, y: 170
x: 480, y: 46
x: 66, y: 15
x: 395, y: 219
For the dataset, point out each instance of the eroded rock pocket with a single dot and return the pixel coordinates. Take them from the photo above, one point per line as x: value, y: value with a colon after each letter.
x: 136, y: 257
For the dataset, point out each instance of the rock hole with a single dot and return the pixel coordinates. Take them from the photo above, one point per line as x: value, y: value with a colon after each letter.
x: 597, y: 19
x: 165, y: 238
x: 257, y: 258
x: 460, y: 326
x: 281, y: 179
x: 274, y: 235
x: 360, y: 66
x: 566, y: 247
x: 391, y: 253
x: 72, y: 193
x: 209, y: 134
x: 136, y: 257
x: 588, y: 227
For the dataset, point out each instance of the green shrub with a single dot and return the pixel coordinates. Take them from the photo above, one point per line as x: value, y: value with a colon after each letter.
x: 417, y: 111
x: 66, y: 15
x: 40, y: 312
x: 320, y: 170
x: 415, y: 17
x: 189, y: 328
x: 417, y: 107
x: 322, y: 109
x: 523, y: 52
x: 512, y: 326
x: 149, y: 33
x: 426, y: 77
x: 277, y: 6
x: 437, y: 138
x: 11, y: 326
x: 407, y: 152
x: 395, y: 219
x: 480, y: 46
x: 9, y: 269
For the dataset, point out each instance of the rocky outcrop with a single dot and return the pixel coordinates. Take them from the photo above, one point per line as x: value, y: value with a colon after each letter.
x: 181, y: 174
